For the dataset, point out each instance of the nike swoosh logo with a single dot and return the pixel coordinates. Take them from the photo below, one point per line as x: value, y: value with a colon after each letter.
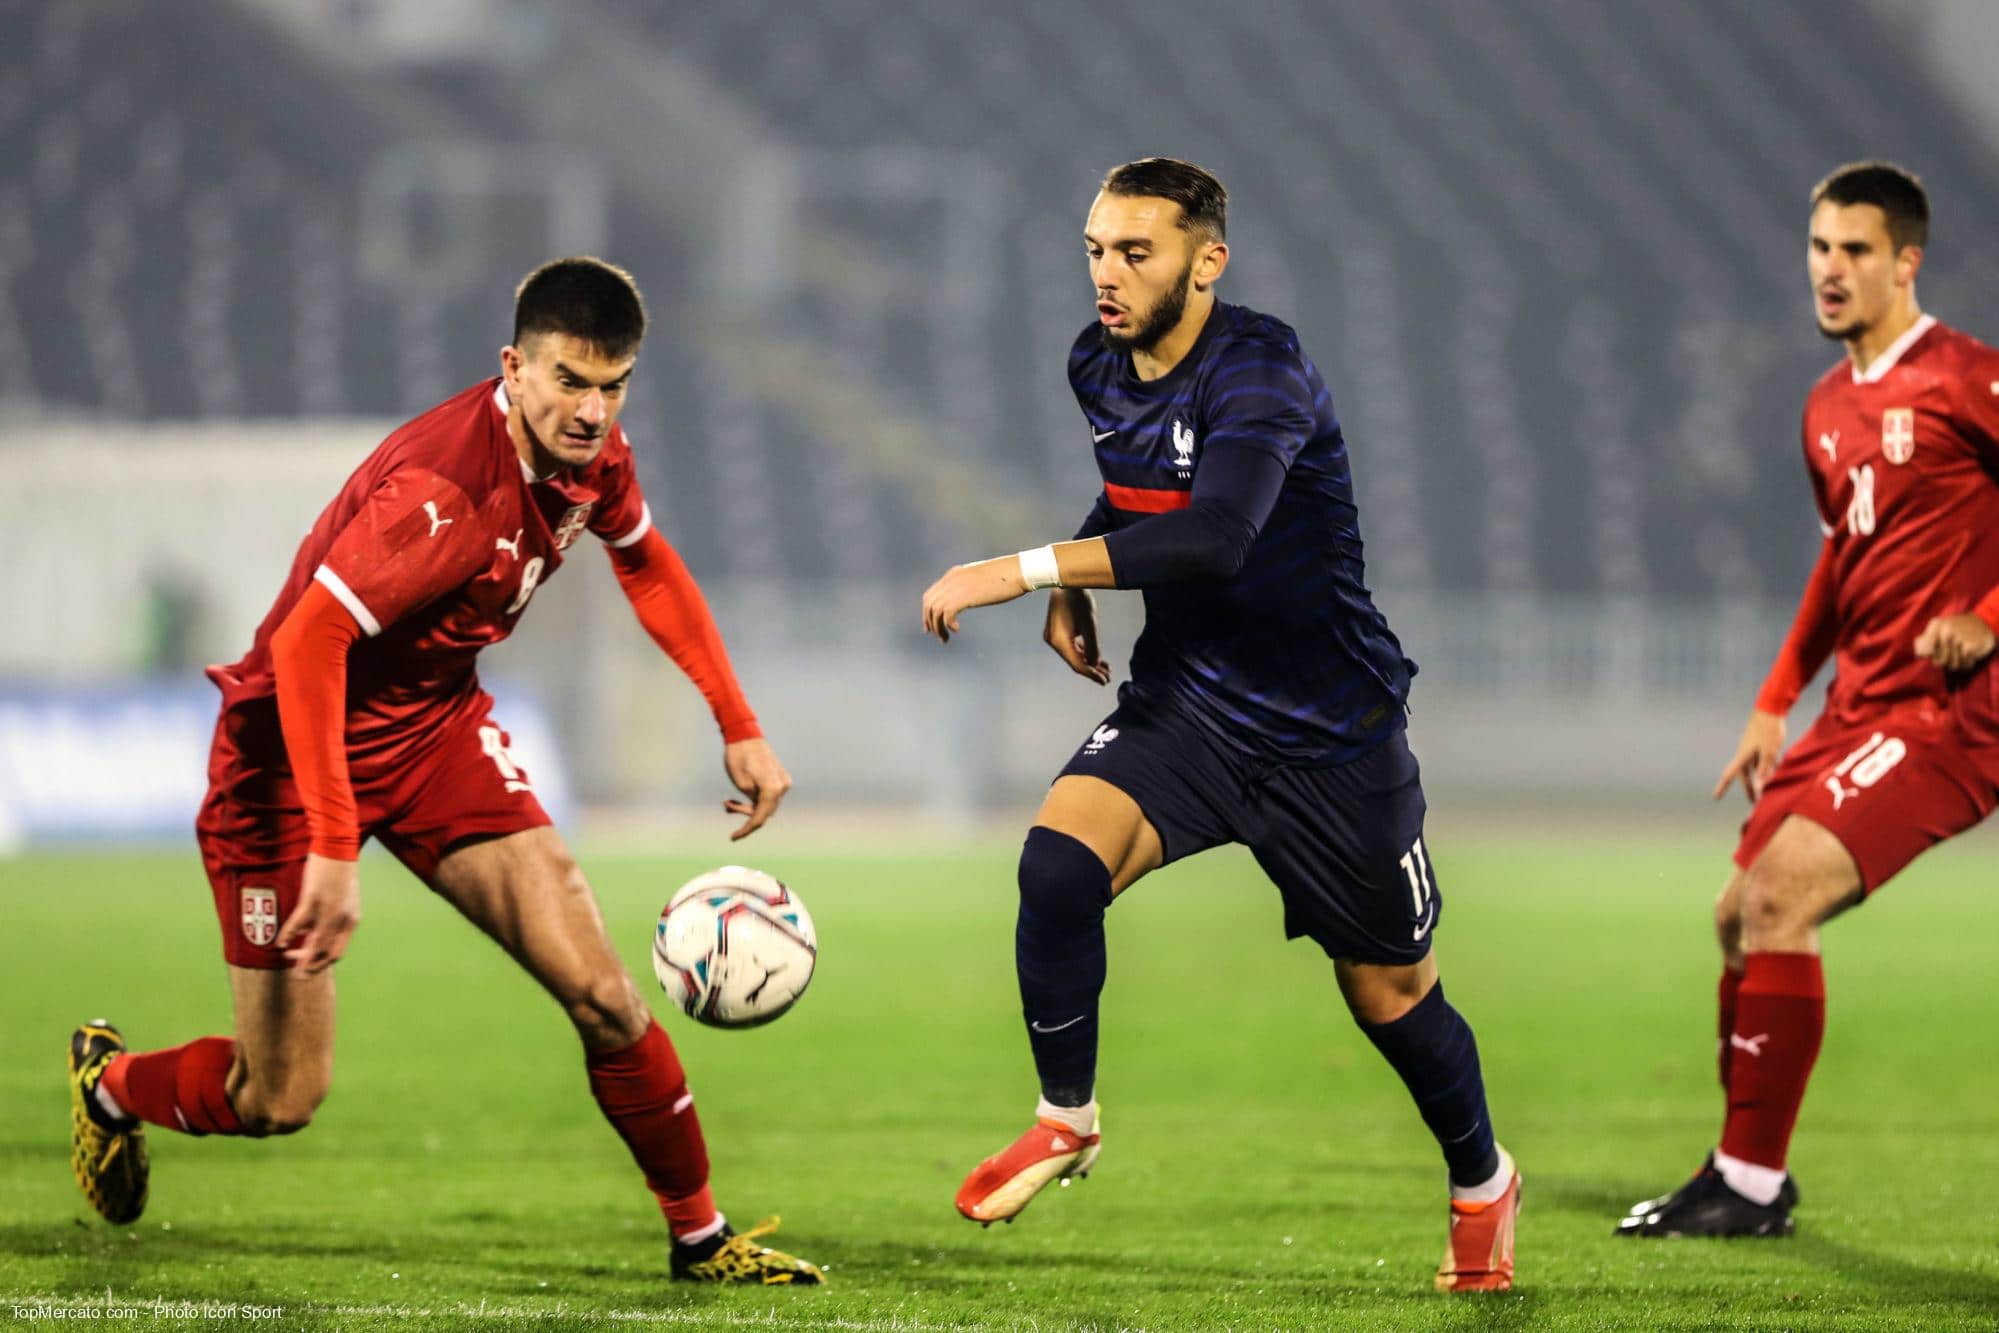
x: 1059, y: 1026
x: 1099, y: 436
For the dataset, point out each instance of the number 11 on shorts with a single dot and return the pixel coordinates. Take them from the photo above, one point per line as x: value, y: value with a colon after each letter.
x: 1416, y: 865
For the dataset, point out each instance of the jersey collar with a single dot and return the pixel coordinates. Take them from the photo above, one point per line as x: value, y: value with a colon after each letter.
x: 1886, y: 361
x: 1184, y: 367
x: 506, y: 406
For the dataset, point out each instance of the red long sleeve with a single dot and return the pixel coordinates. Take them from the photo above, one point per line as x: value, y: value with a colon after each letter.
x: 670, y: 606
x: 309, y: 655
x: 1810, y: 642
x: 1987, y: 610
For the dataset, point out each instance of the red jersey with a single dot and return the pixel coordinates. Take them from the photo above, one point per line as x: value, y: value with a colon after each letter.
x: 1904, y: 464
x: 435, y: 545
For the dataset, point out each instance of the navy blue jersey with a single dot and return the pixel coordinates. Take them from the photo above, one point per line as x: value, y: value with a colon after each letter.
x: 1287, y: 659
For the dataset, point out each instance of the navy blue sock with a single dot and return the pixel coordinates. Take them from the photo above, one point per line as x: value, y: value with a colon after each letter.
x: 1058, y: 949
x: 1432, y: 1048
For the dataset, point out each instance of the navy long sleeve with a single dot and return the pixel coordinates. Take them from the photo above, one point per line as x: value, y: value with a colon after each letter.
x: 1234, y: 491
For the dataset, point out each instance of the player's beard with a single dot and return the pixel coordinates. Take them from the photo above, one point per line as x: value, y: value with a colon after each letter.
x: 1145, y: 333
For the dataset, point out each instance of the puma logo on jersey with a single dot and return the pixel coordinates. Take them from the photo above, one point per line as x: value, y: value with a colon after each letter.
x: 1753, y: 1045
x: 430, y: 507
x: 1829, y: 441
x: 513, y: 547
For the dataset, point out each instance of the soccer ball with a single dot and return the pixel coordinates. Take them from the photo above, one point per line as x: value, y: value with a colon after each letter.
x: 734, y: 948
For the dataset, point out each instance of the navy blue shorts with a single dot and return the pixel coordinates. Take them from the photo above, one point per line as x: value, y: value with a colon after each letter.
x: 1343, y: 844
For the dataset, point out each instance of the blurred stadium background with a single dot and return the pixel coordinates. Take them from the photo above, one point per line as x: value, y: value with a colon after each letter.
x: 1547, y: 253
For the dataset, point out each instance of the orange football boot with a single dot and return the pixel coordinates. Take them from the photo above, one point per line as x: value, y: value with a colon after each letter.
x: 1480, y: 1254
x: 1006, y: 1182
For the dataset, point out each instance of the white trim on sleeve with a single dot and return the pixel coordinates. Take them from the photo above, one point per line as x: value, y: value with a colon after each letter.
x: 644, y: 523
x: 344, y: 595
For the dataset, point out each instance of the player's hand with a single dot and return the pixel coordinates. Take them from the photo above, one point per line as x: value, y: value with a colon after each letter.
x: 329, y: 907
x: 987, y: 583
x: 1755, y: 755
x: 1071, y: 630
x: 1956, y: 643
x: 753, y: 767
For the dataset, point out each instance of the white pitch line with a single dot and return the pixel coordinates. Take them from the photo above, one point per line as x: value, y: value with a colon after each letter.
x: 708, y: 1318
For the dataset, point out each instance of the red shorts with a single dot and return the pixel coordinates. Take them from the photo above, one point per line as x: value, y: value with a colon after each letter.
x: 456, y: 781
x: 1888, y: 789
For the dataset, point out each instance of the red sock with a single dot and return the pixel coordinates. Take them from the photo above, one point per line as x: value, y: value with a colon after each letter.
x: 185, y: 1088
x: 1779, y: 1023
x: 1731, y: 984
x: 643, y: 1091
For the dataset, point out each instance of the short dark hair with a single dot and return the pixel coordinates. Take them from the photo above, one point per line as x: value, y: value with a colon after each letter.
x: 1204, y: 203
x: 1897, y: 193
x: 584, y: 298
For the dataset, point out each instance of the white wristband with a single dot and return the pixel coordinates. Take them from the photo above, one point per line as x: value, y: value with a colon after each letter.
x: 1037, y: 568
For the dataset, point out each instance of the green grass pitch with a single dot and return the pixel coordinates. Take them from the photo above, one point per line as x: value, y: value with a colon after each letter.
x: 1262, y: 1168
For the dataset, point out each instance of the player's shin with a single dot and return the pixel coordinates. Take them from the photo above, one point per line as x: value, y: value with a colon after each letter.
x: 642, y: 1091
x: 1059, y: 954
x: 1779, y: 1024
x: 184, y: 1088
x: 1432, y: 1048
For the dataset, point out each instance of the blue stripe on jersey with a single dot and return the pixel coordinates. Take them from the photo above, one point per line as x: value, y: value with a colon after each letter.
x: 1267, y: 394
x: 1122, y: 393
x: 1290, y: 659
x: 1118, y: 458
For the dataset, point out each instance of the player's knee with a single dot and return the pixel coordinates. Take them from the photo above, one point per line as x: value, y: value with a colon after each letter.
x: 1372, y: 1006
x: 283, y: 1109
x: 1728, y: 921
x: 1779, y: 894
x: 607, y: 1011
x: 1061, y: 880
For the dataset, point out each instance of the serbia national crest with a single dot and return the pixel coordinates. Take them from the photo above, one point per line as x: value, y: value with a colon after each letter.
x: 572, y: 524
x: 1898, y: 434
x: 260, y: 916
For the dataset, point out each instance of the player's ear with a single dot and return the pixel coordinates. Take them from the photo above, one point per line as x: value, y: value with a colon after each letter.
x: 1907, y: 260
x: 511, y: 362
x: 1208, y: 265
